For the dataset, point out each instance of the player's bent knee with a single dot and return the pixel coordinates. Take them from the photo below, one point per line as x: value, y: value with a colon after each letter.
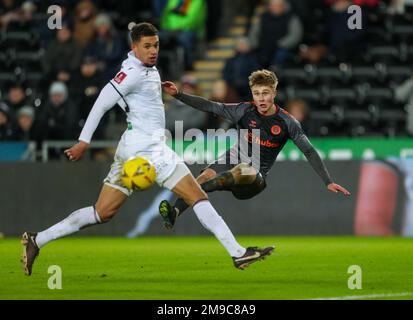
x: 206, y: 175
x: 105, y: 215
x: 249, y: 191
x: 244, y: 169
x: 197, y: 197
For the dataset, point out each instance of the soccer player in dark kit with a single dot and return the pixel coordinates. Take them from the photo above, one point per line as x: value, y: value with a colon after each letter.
x: 275, y: 125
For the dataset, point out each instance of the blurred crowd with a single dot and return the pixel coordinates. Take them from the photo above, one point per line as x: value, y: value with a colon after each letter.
x: 50, y: 78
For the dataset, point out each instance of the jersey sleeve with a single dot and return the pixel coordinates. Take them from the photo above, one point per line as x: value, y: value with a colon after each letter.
x: 107, y: 98
x: 125, y: 81
x: 301, y: 141
x: 232, y: 112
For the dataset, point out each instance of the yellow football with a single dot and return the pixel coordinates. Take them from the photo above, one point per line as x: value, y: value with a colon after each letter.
x: 138, y: 174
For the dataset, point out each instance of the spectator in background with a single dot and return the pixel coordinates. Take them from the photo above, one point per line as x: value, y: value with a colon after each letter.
x: 6, y: 131
x: 404, y: 93
x: 158, y: 7
x: 16, y: 99
x: 85, y: 15
x: 337, y: 39
x: 58, y: 118
x: 305, y: 11
x: 9, y: 11
x: 214, y: 13
x: 86, y: 88
x: 248, y: 8
x: 238, y: 68
x: 25, y: 129
x: 396, y: 7
x: 184, y: 20
x: 277, y: 33
x: 220, y: 93
x: 107, y: 47
x: 28, y: 9
x: 178, y: 111
x: 62, y: 56
x: 19, y: 17
x: 46, y: 35
x: 299, y: 109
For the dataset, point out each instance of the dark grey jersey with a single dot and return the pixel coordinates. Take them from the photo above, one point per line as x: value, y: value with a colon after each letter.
x: 269, y: 133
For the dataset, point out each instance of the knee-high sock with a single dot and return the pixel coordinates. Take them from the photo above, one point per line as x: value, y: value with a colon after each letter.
x: 223, y: 181
x: 213, y: 222
x: 74, y: 222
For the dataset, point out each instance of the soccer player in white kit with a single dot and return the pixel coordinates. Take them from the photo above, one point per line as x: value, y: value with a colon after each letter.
x: 137, y: 88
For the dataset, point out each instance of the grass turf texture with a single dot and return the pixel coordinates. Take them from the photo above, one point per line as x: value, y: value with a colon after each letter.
x: 199, y: 268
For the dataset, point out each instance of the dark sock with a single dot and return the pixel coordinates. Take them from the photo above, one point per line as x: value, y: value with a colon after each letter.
x: 180, y: 205
x: 223, y: 181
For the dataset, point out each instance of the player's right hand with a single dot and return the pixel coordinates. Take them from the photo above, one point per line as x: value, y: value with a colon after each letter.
x: 170, y: 88
x: 76, y: 152
x: 336, y: 188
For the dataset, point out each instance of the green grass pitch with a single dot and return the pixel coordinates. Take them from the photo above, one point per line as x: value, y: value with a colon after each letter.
x: 199, y: 268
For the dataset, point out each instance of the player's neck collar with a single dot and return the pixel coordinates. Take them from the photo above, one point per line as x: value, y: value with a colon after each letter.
x: 136, y: 60
x: 277, y: 108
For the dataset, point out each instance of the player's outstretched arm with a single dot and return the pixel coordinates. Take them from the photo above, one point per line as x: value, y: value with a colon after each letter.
x: 76, y: 152
x: 318, y: 165
x: 105, y: 101
x: 301, y: 141
x: 232, y: 112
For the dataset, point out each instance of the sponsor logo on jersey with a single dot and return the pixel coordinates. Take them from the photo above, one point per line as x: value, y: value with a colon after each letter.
x: 252, y: 138
x: 275, y: 130
x: 253, y: 124
x: 120, y: 77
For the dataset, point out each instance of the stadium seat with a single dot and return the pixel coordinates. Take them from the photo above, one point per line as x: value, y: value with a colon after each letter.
x: 323, y: 122
x: 8, y: 77
x: 329, y: 75
x: 403, y: 33
x: 399, y: 73
x: 18, y: 40
x: 385, y: 54
x: 29, y: 60
x: 406, y: 54
x: 376, y: 95
x: 292, y: 75
x: 6, y: 62
x: 377, y: 35
x: 362, y: 74
x: 311, y: 95
x: 388, y: 119
x: 343, y: 96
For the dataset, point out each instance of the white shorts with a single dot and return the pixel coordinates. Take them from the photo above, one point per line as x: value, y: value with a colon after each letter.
x: 169, y: 167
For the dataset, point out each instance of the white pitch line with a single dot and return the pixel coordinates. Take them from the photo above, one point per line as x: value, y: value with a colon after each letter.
x: 368, y: 296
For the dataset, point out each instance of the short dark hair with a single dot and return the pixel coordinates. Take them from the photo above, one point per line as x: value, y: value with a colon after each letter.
x: 143, y: 29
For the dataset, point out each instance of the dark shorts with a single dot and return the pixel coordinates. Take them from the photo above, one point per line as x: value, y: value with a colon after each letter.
x: 241, y: 192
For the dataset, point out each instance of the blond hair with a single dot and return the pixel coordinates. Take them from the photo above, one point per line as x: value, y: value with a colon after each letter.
x: 263, y: 78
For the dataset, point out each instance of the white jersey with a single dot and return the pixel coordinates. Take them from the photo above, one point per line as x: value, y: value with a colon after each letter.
x: 137, y: 89
x: 140, y: 87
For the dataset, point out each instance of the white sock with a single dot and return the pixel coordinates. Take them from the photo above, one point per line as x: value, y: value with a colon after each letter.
x: 213, y: 222
x: 74, y: 222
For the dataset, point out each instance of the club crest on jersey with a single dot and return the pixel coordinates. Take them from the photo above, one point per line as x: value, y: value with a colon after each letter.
x: 253, y: 124
x: 275, y: 130
x: 120, y: 77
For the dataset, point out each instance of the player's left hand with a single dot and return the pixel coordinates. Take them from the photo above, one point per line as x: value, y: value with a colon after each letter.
x: 170, y: 88
x: 336, y: 188
x: 77, y: 151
